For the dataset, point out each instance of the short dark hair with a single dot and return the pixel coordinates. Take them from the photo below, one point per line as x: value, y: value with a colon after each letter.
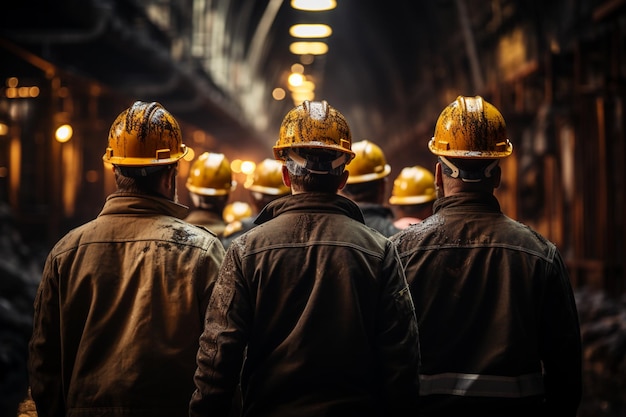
x: 323, y: 183
x: 126, y: 181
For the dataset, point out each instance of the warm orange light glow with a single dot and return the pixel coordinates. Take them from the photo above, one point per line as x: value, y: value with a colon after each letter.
x: 310, y: 31
x: 305, y: 86
x: 313, y: 5
x: 295, y: 79
x: 310, y: 48
x: 297, y: 68
x: 248, y: 167
x: 235, y: 165
x: 307, y: 59
x: 70, y: 174
x: 4, y: 129
x: 12, y: 82
x: 278, y: 94
x: 15, y: 167
x: 64, y: 133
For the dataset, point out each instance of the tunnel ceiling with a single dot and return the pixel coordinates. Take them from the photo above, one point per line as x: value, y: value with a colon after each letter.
x: 387, y: 64
x: 368, y: 73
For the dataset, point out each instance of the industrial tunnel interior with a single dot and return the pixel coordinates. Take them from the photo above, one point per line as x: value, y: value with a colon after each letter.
x: 556, y: 70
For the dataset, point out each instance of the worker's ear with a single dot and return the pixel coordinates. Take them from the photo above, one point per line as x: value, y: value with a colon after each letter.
x: 344, y: 179
x: 496, y: 175
x: 168, y: 182
x: 439, y: 179
x: 286, y: 179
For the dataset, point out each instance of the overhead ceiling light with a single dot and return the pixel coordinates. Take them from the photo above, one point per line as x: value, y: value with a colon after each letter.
x: 295, y: 79
x: 64, y: 133
x: 314, y: 5
x: 310, y: 31
x: 312, y: 48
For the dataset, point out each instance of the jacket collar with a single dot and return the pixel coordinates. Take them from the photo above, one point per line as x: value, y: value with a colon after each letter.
x: 310, y: 203
x: 140, y: 204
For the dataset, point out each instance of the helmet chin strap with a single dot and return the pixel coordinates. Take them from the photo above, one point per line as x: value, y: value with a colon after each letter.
x: 453, y: 171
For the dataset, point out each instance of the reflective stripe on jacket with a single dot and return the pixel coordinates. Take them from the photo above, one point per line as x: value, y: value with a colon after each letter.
x: 477, y: 385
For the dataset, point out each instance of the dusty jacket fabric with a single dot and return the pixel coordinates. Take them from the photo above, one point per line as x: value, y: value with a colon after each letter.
x: 494, y: 305
x: 379, y: 217
x: 322, y: 305
x: 119, y: 311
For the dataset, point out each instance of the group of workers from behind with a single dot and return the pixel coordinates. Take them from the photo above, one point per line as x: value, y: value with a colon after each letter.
x: 311, y: 311
x: 210, y: 183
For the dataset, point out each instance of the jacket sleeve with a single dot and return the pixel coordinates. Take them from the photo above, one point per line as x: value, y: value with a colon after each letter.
x: 397, y: 339
x: 222, y: 343
x: 561, y: 347
x: 44, y: 363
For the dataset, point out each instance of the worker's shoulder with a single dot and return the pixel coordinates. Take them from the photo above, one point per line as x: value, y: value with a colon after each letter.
x: 199, y: 230
x: 527, y: 236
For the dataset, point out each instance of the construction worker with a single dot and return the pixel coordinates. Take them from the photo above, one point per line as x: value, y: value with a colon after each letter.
x: 210, y: 182
x: 367, y: 186
x: 121, y: 302
x: 412, y: 196
x: 267, y: 185
x: 315, y: 298
x: 498, y: 323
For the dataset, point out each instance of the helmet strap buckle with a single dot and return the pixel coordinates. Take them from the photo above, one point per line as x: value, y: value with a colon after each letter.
x: 303, y: 164
x: 453, y: 171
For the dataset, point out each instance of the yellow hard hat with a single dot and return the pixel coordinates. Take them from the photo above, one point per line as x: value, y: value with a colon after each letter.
x: 369, y: 163
x: 470, y: 127
x: 314, y: 124
x: 268, y: 178
x: 414, y: 185
x: 144, y: 135
x: 210, y: 175
x: 236, y: 210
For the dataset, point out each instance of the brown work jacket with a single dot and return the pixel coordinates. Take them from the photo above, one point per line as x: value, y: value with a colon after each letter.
x: 119, y: 311
x: 498, y: 323
x: 321, y: 304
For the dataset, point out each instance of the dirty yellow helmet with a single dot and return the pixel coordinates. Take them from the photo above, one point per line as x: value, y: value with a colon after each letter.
x: 369, y: 163
x: 414, y: 185
x: 210, y: 175
x: 314, y: 124
x: 144, y: 135
x: 470, y: 127
x: 236, y: 210
x: 268, y: 178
